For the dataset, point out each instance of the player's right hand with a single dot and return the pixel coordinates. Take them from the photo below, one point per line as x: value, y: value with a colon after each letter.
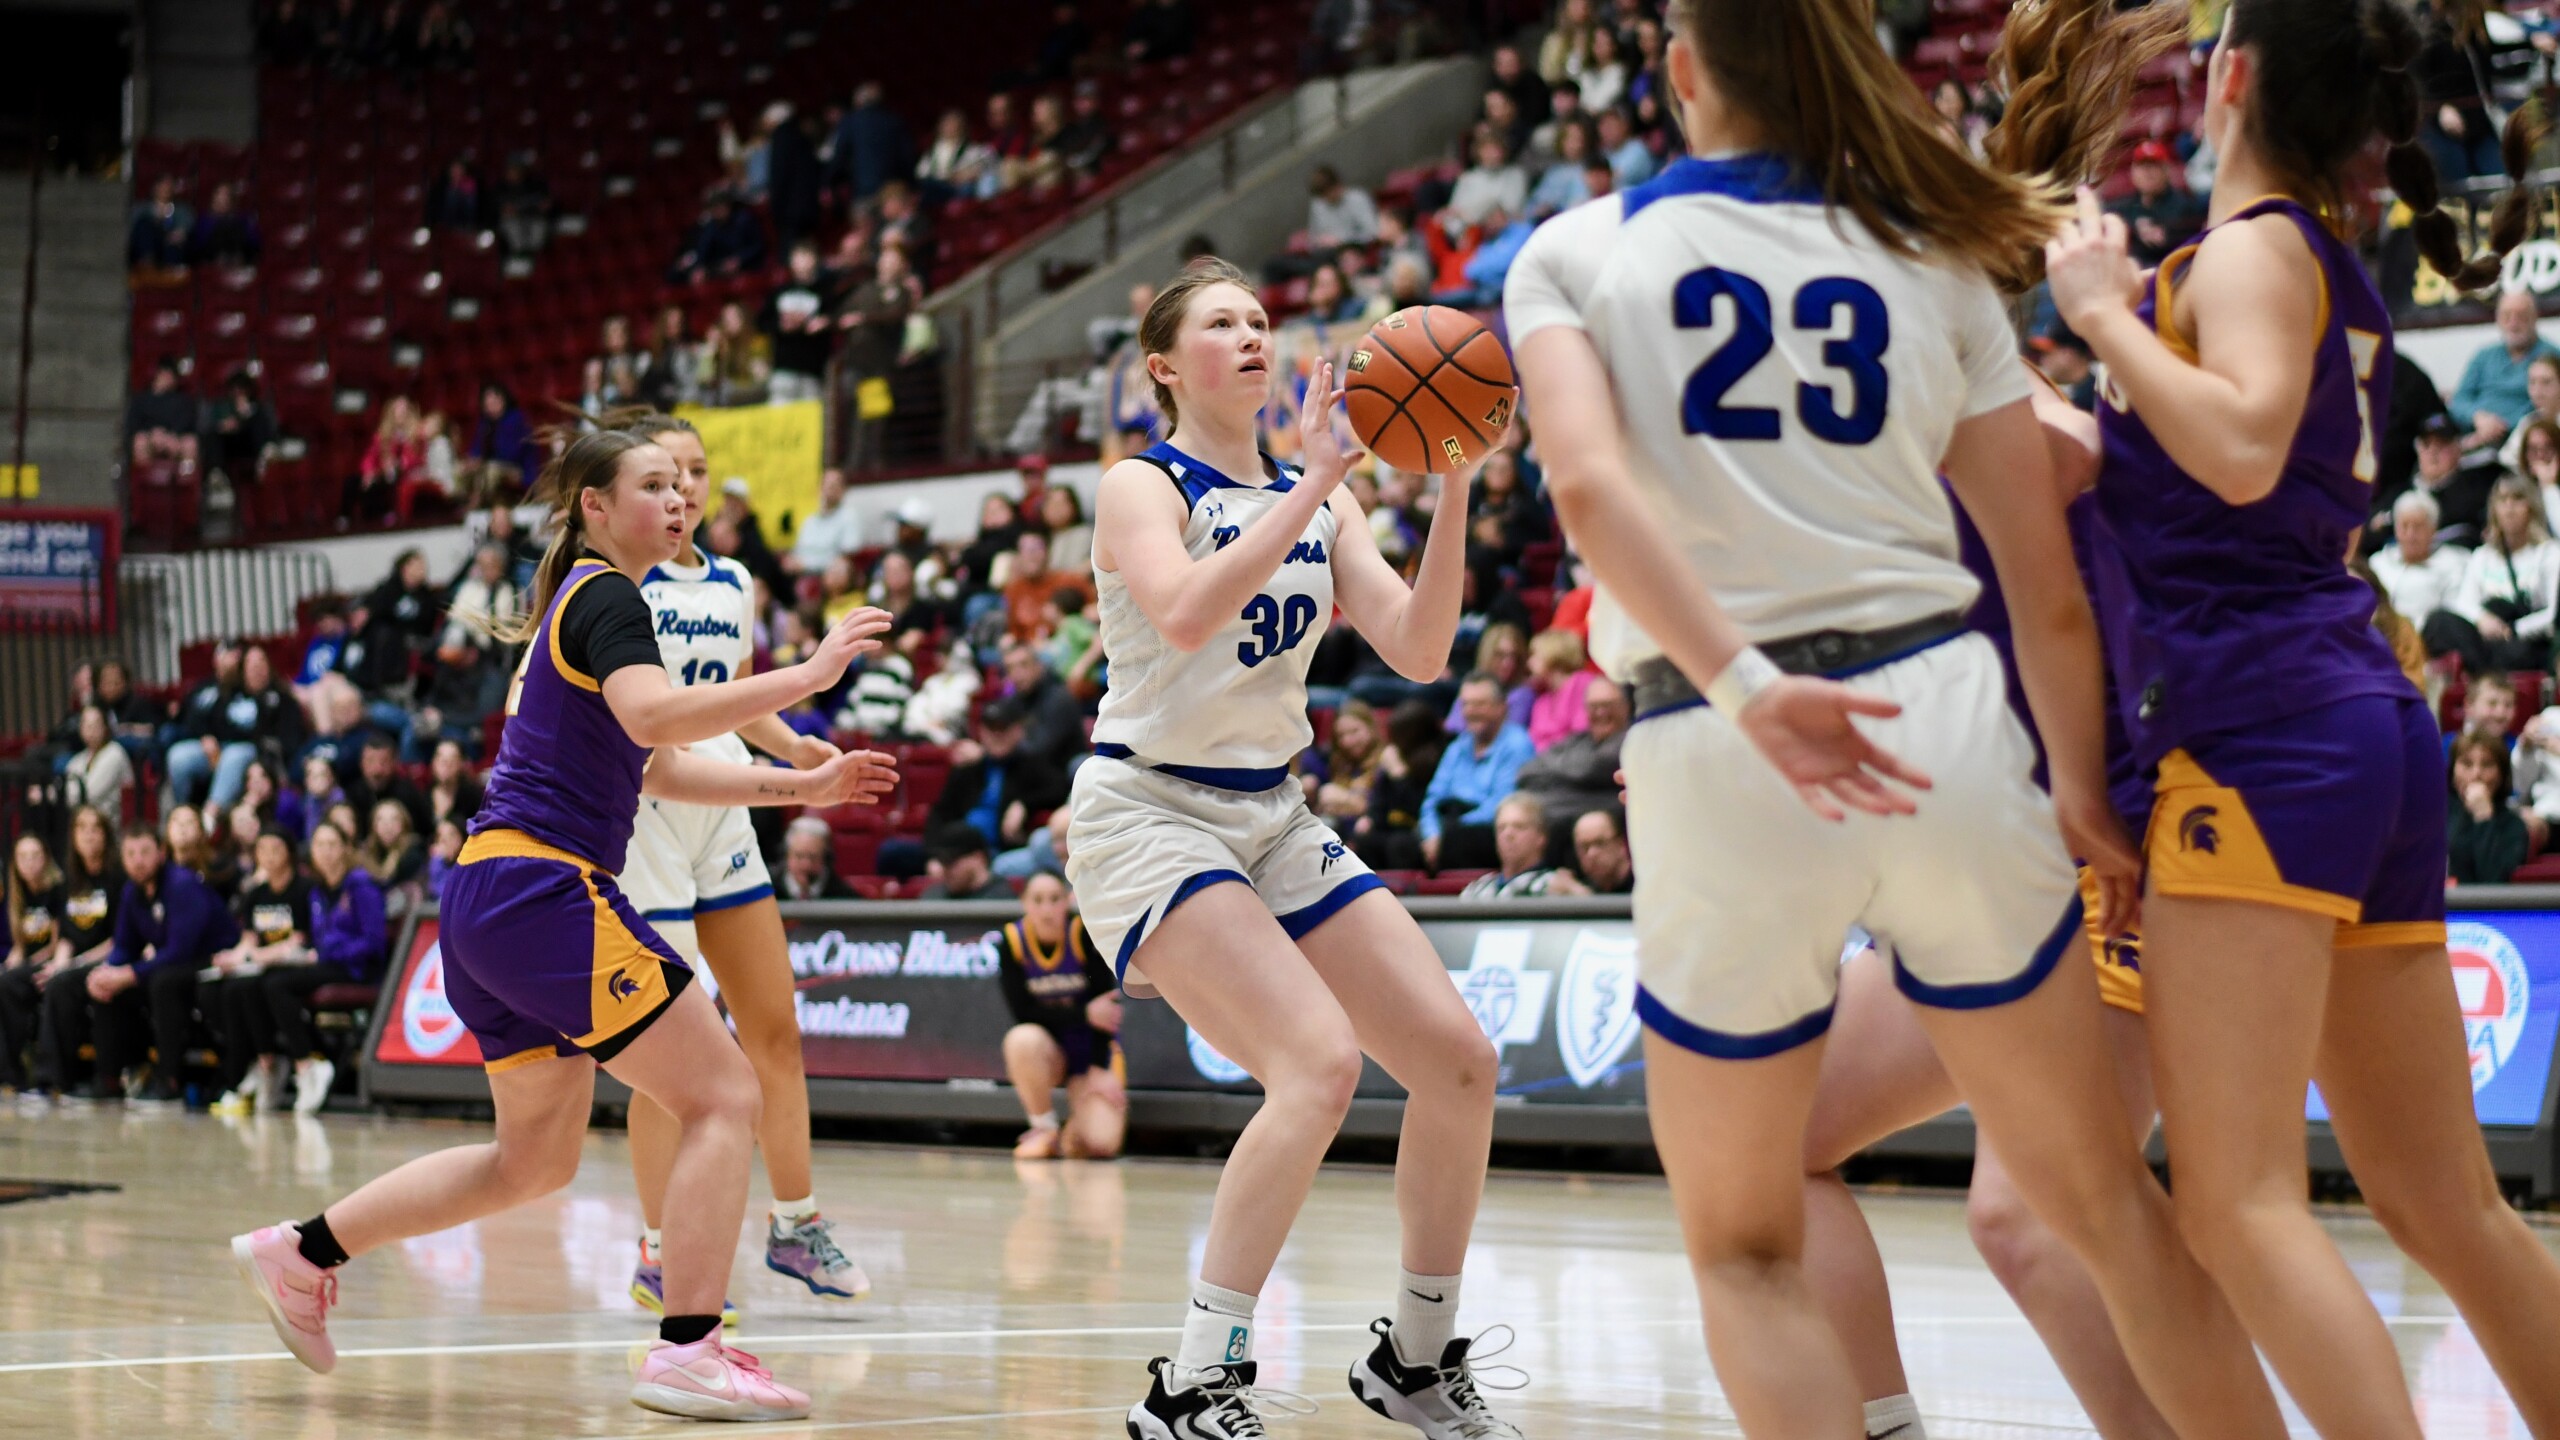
x: 855, y: 635
x: 2092, y: 830
x: 858, y: 777
x: 1802, y: 726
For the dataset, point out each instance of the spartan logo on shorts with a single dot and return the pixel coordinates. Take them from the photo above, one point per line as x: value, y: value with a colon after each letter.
x: 1332, y: 851
x: 622, y: 986
x: 2196, y: 832
x: 737, y: 862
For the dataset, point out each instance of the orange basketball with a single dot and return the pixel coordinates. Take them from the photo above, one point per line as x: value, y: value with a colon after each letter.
x: 1430, y: 389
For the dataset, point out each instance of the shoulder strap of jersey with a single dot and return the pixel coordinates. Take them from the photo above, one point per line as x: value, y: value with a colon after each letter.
x: 1013, y: 943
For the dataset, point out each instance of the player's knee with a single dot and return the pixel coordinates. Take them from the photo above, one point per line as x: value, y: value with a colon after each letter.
x: 530, y: 1171
x: 2439, y: 1221
x: 2006, y: 1233
x: 1027, y: 1045
x: 1323, y: 1076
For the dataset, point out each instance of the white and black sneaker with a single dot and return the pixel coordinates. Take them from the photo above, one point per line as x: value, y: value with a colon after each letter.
x: 1441, y: 1400
x: 1224, y: 1407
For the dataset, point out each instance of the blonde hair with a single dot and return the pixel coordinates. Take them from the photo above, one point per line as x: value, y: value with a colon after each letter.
x: 1162, y: 325
x: 2516, y: 487
x: 1558, y: 650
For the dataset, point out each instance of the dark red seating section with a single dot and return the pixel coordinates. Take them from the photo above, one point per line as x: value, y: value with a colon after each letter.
x: 618, y: 101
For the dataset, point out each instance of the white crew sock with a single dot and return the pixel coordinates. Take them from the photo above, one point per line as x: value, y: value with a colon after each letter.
x: 1217, y: 1330
x: 792, y: 1212
x: 649, y: 1246
x: 1045, y: 1120
x: 1426, y: 1317
x: 1897, y: 1416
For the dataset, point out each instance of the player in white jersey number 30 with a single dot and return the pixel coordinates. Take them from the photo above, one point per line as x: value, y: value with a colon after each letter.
x: 1205, y: 877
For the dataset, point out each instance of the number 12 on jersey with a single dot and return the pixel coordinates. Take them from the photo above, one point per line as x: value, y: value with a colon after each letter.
x: 1859, y: 355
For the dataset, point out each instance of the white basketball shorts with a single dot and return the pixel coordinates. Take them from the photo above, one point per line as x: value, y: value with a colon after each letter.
x: 685, y: 860
x: 1742, y: 893
x: 1140, y: 842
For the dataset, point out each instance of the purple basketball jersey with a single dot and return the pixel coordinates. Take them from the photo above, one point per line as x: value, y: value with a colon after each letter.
x: 567, y: 773
x: 2243, y: 614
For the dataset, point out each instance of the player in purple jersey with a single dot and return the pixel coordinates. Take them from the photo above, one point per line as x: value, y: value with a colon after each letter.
x: 2294, y: 915
x: 545, y: 960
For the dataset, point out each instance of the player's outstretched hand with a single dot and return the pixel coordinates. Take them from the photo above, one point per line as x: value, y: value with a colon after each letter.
x: 855, y: 635
x: 1320, y: 445
x: 859, y: 777
x: 1803, y: 726
x: 2089, y: 266
x: 2095, y: 834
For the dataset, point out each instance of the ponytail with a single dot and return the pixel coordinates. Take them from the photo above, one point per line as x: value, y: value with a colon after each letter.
x: 590, y: 462
x: 2069, y: 69
x: 1813, y: 77
x: 2326, y: 89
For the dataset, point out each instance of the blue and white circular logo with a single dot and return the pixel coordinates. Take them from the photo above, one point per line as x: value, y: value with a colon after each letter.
x: 2490, y: 980
x: 427, y: 1020
x: 1213, y: 1067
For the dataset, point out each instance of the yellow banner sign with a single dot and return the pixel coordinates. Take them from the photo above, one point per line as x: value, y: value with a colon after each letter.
x: 776, y: 448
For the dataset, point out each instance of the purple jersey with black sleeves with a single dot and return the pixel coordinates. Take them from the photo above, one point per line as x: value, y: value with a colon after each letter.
x: 568, y: 774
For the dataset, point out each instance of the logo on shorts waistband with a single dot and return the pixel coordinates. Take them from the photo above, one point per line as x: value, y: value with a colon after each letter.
x: 622, y: 986
x: 2196, y: 832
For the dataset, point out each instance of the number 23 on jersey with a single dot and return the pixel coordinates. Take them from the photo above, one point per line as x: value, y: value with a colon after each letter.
x: 1703, y: 296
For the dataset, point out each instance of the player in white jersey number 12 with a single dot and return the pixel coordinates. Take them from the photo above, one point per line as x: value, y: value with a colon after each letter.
x: 1205, y: 877
x: 697, y: 875
x: 1745, y: 376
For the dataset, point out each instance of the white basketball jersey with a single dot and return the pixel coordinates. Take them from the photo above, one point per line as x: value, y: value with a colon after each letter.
x: 1240, y: 701
x: 704, y: 615
x: 1787, y: 385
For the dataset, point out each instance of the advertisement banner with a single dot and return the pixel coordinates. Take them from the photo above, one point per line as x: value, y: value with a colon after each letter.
x: 420, y: 1027
x: 777, y: 449
x: 59, y: 566
x: 1556, y: 997
x: 886, y: 1001
x: 910, y: 993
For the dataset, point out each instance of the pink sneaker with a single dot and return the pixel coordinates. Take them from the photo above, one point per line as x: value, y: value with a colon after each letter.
x: 297, y: 1293
x: 709, y: 1381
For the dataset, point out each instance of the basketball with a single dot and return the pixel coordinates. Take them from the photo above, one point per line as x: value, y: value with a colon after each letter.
x: 1431, y: 389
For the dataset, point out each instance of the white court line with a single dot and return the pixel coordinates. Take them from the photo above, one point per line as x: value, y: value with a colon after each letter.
x: 553, y: 1347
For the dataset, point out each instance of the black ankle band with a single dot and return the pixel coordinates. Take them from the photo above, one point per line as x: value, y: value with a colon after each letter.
x: 319, y: 1246
x: 687, y: 1329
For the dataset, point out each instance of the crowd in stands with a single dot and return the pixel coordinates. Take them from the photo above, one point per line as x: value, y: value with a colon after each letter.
x: 283, y: 812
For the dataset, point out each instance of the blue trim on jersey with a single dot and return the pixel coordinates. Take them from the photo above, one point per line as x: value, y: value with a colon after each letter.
x: 1196, y: 478
x: 1673, y: 708
x: 1754, y: 179
x: 1184, y: 891
x: 2066, y: 934
x: 717, y: 576
x: 1300, y: 923
x: 1724, y: 1045
x: 715, y: 903
x: 681, y: 912
x: 1245, y: 781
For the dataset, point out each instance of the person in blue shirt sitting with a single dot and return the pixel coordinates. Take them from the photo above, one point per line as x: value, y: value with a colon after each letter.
x: 1476, y: 771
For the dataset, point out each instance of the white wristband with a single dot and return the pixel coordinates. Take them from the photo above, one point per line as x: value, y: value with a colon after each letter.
x: 1747, y: 674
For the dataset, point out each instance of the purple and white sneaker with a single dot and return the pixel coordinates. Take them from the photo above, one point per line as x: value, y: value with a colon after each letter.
x: 807, y: 1252
x: 649, y: 1288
